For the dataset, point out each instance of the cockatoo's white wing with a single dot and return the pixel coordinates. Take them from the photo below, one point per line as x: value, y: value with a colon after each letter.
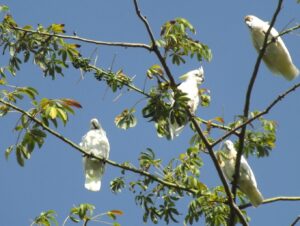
x: 248, y: 185
x: 189, y: 86
x: 246, y: 171
x: 96, y: 143
x: 277, y: 57
x: 247, y: 182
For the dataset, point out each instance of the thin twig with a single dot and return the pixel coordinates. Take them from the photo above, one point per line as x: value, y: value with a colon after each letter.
x: 192, y: 119
x: 96, y: 42
x: 247, y: 107
x: 110, y: 162
x: 130, y: 86
x: 218, y: 126
x: 288, y: 30
x: 154, y: 46
x: 264, y: 112
x: 295, y: 221
x: 271, y: 200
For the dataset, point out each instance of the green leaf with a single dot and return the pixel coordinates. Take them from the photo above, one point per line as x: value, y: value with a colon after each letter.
x: 4, y: 8
x: 29, y: 91
x: 117, y: 184
x: 178, y: 43
x: 58, y: 28
x: 126, y: 119
x: 155, y: 70
x: 19, y: 155
x: 52, y: 112
x: 8, y: 151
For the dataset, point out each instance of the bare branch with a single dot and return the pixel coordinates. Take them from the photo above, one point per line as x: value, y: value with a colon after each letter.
x: 295, y: 221
x: 110, y: 162
x: 271, y: 200
x: 119, y: 44
x: 219, y: 126
x: 247, y: 107
x: 289, y: 30
x: 264, y: 112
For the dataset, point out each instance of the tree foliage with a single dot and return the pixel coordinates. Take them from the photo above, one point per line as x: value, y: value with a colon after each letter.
x: 160, y: 187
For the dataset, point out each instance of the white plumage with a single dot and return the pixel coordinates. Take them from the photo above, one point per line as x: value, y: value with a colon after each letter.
x: 277, y: 57
x: 246, y: 183
x: 96, y: 143
x: 190, y: 86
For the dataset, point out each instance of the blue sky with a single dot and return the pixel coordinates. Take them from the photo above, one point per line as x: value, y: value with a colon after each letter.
x: 53, y: 177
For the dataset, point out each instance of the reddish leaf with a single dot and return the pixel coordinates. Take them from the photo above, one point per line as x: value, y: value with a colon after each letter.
x: 116, y: 212
x: 71, y: 102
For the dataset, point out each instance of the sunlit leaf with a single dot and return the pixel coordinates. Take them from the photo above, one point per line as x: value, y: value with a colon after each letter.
x: 52, y: 112
x: 8, y: 151
x: 58, y: 28
x: 4, y: 8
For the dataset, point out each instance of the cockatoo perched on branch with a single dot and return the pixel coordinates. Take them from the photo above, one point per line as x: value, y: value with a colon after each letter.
x: 189, y: 86
x: 95, y: 143
x: 246, y: 183
x: 276, y: 57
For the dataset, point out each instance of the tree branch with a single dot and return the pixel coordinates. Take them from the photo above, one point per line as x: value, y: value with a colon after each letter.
x: 295, y: 221
x: 218, y: 126
x: 130, y: 86
x: 289, y: 30
x: 77, y: 38
x: 247, y: 107
x: 192, y: 119
x: 231, y: 202
x: 110, y: 162
x: 264, y: 112
x: 271, y: 200
x: 154, y: 46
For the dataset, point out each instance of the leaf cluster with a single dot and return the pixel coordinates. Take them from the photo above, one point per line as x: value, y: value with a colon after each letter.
x: 260, y: 138
x: 47, y: 218
x: 115, y: 81
x: 49, y: 52
x: 166, y: 107
x: 177, y: 43
x: 30, y: 132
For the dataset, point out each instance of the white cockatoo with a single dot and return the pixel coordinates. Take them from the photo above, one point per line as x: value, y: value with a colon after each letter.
x: 189, y: 86
x: 246, y: 182
x: 276, y: 57
x: 95, y: 143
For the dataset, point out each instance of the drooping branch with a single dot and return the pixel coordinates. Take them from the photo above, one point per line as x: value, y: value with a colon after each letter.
x: 233, y: 206
x: 247, y: 107
x: 271, y: 200
x: 77, y: 38
x: 264, y: 112
x: 110, y: 162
